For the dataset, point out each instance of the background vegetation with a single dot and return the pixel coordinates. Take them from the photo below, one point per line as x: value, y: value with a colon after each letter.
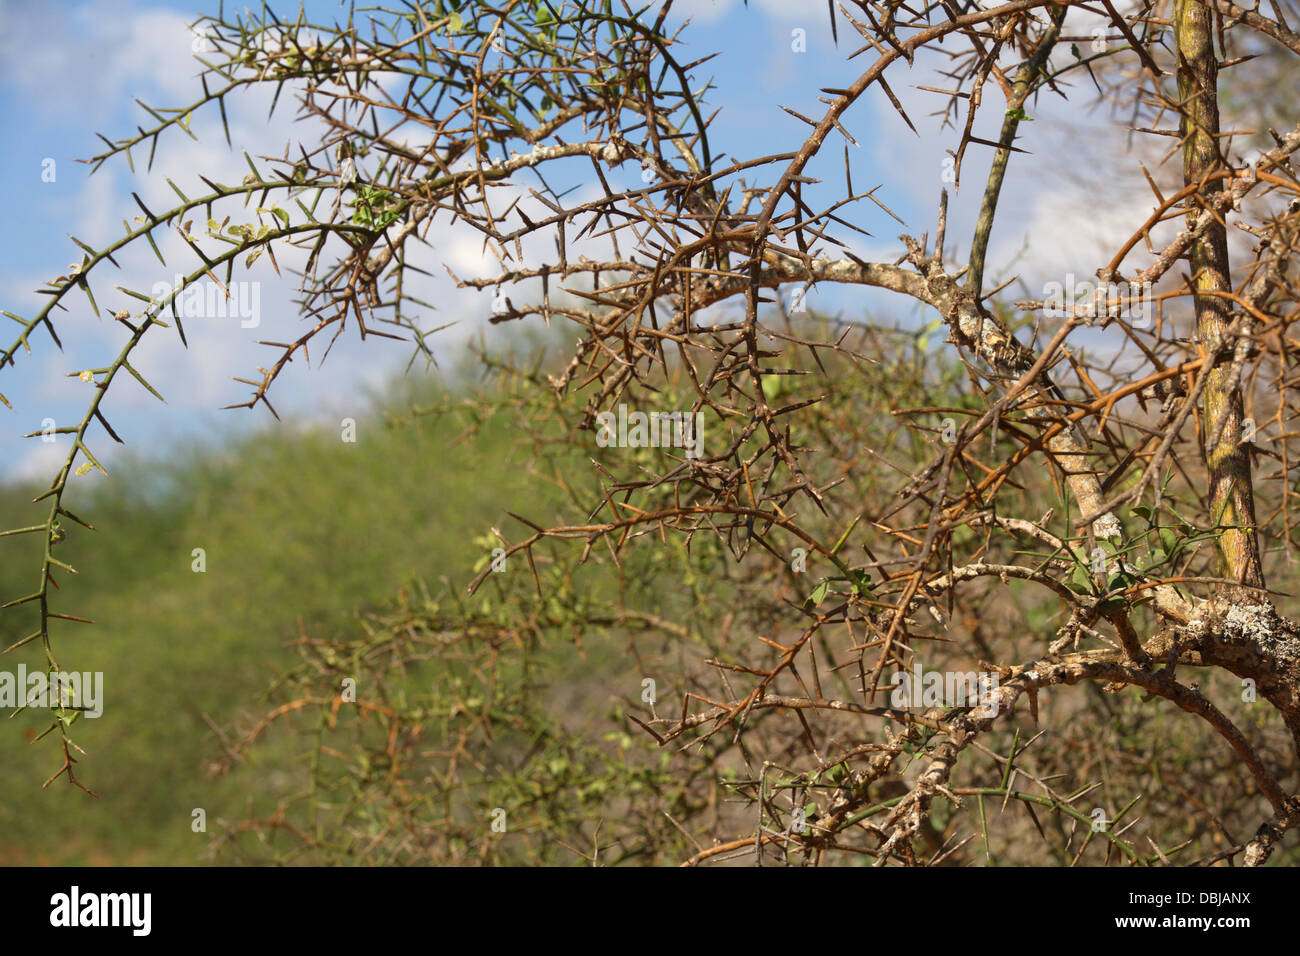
x: 688, y: 657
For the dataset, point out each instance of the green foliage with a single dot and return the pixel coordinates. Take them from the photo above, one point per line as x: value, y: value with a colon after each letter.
x: 182, y: 652
x: 455, y: 724
x: 375, y: 208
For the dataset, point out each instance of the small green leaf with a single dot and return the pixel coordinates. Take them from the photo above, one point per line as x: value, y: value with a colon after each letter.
x: 861, y: 581
x: 1120, y: 581
x: 1081, y: 580
x: 1111, y: 605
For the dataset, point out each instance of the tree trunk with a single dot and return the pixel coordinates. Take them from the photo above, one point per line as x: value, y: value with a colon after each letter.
x: 1228, y: 462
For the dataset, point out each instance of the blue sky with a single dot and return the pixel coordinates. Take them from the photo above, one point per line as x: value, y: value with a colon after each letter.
x: 72, y: 69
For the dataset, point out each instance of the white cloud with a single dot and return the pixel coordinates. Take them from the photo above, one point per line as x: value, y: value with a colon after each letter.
x: 702, y: 11
x: 38, y: 460
x: 49, y: 50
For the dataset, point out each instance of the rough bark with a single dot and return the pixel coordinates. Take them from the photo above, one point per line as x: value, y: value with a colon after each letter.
x: 1226, y: 457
